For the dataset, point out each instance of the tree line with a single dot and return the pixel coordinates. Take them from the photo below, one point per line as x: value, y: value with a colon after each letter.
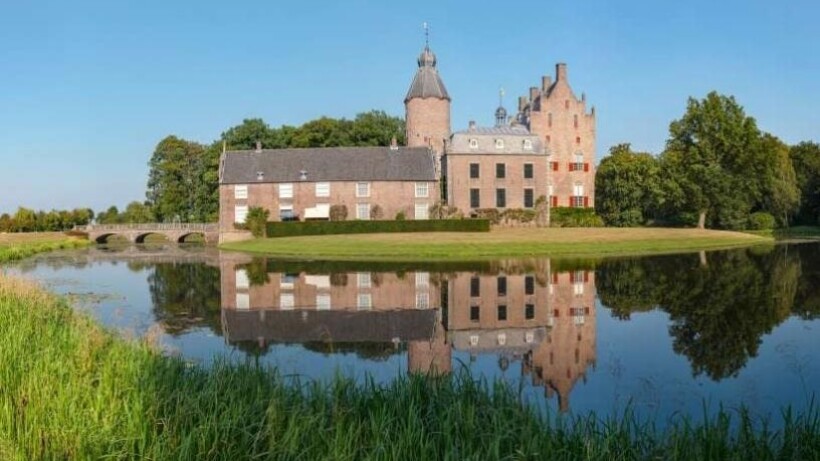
x: 718, y: 170
x: 29, y: 220
x: 183, y: 179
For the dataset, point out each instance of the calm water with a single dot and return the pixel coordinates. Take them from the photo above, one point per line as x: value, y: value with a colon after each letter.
x: 663, y: 335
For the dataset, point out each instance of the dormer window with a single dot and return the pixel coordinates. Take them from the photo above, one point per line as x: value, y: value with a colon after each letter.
x: 527, y: 144
x: 499, y: 143
x: 473, y: 143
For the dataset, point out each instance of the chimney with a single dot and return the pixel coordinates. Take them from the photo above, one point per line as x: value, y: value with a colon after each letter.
x: 546, y: 83
x: 522, y: 103
x: 258, y: 146
x: 472, y: 125
x: 533, y: 93
x: 394, y: 144
x: 561, y: 72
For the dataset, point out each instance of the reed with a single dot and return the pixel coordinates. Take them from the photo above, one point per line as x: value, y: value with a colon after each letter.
x: 69, y: 389
x: 17, y: 250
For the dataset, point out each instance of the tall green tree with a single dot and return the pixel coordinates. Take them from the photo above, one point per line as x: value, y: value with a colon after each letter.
x: 137, y: 212
x: 781, y: 193
x: 805, y: 158
x: 711, y: 163
x: 176, y: 167
x: 628, y: 187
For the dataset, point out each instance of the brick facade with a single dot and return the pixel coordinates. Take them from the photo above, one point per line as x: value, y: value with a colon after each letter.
x: 428, y: 123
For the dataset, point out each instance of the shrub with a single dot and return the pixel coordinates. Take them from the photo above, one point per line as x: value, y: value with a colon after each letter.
x: 441, y: 210
x: 490, y: 214
x: 575, y: 217
x: 400, y: 216
x: 517, y: 215
x: 542, y: 211
x: 376, y: 212
x: 761, y: 221
x: 289, y: 229
x: 338, y: 212
x: 256, y: 220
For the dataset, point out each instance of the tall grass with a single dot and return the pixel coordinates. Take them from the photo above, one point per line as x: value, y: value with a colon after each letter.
x: 71, y: 390
x: 17, y: 251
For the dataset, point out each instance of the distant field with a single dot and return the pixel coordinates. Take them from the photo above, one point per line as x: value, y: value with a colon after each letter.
x: 31, y: 237
x: 500, y: 242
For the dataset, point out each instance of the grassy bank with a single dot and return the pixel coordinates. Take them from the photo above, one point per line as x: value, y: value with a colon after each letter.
x: 70, y: 390
x: 499, y: 243
x: 14, y: 247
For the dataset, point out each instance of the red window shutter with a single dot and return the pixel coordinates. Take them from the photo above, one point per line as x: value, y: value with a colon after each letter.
x: 554, y: 201
x: 586, y: 202
x: 586, y: 311
x: 555, y: 278
x: 586, y: 276
x: 555, y: 313
x: 572, y: 277
x: 570, y: 200
x: 570, y: 166
x: 554, y: 166
x: 586, y: 166
x: 578, y: 140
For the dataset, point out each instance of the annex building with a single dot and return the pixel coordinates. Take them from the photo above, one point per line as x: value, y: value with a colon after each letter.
x: 546, y: 149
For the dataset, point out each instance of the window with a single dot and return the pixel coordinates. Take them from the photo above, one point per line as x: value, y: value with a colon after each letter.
x: 575, y: 120
x: 475, y: 198
x: 322, y: 189
x: 578, y: 288
x: 554, y: 166
x: 474, y: 172
x: 422, y: 189
x: 475, y: 287
x: 499, y: 143
x: 577, y: 140
x: 527, y: 144
x: 240, y: 191
x: 501, y: 284
x: 500, y: 170
x: 528, y: 171
x: 502, y: 312
x: 242, y: 280
x: 423, y: 300
x: 362, y: 211
x: 473, y: 340
x: 529, y: 285
x: 363, y: 189
x: 474, y: 144
x: 529, y: 337
x: 323, y: 302
x: 240, y: 212
x: 286, y: 301
x: 243, y: 301
x: 422, y: 279
x: 550, y: 190
x: 475, y: 313
x: 502, y: 339
x: 501, y: 198
x: 364, y: 302
x: 363, y: 280
x: 528, y: 198
x: 286, y: 213
x: 578, y: 195
x: 549, y: 121
x: 578, y: 164
x: 421, y: 210
x: 529, y: 311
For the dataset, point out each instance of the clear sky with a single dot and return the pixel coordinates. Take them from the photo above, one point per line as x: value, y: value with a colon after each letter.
x: 87, y: 88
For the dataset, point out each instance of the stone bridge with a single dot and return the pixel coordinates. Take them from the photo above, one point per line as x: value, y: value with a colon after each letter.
x: 136, y: 233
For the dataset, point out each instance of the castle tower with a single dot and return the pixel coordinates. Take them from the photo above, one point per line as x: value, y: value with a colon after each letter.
x: 562, y: 121
x: 427, y: 106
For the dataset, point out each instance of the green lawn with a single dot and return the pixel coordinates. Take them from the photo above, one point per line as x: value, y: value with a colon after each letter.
x: 498, y: 243
x: 16, y: 246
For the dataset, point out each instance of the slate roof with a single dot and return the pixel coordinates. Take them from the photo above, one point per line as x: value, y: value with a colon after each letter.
x: 427, y: 83
x: 328, y: 164
x: 300, y: 326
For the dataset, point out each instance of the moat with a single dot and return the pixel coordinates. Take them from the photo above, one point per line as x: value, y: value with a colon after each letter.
x: 660, y: 335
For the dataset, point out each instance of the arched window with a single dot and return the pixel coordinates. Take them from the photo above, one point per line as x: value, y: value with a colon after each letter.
x: 527, y: 145
x: 473, y: 143
x: 499, y: 143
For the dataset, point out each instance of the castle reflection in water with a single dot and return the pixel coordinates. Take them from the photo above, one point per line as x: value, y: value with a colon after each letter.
x: 542, y: 317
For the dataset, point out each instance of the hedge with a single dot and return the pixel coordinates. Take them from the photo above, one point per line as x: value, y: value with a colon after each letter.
x: 574, y: 217
x: 296, y: 228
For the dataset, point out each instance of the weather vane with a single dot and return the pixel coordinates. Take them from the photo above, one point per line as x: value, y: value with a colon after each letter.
x: 426, y: 33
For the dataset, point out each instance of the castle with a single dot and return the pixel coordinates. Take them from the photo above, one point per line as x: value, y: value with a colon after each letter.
x: 546, y: 150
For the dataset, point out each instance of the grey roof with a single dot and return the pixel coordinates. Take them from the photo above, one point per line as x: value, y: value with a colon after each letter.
x: 498, y: 130
x: 328, y: 164
x: 300, y: 326
x: 485, y: 138
x: 427, y: 83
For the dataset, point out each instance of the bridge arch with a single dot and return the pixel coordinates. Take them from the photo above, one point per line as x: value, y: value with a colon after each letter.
x: 185, y: 235
x: 103, y: 238
x: 140, y: 238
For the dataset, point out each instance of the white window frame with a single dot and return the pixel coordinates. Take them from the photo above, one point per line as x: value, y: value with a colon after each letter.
x: 550, y: 190
x: 422, y: 279
x: 473, y: 143
x: 363, y: 211
x: 323, y: 302
x: 578, y: 288
x: 240, y: 192
x: 423, y: 300
x: 527, y: 145
x: 322, y: 189
x: 362, y: 193
x: 287, y: 301
x: 240, y: 211
x: 578, y: 189
x: 243, y: 301
x: 499, y: 143
x: 364, y: 302
x: 242, y: 280
x: 286, y: 190
x: 425, y: 211
x: 422, y: 189
x: 474, y: 340
x: 364, y: 280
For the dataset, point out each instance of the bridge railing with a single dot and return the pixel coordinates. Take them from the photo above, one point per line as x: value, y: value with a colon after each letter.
x: 157, y: 227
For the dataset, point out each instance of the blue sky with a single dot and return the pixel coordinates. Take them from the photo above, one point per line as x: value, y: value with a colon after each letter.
x: 87, y: 88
